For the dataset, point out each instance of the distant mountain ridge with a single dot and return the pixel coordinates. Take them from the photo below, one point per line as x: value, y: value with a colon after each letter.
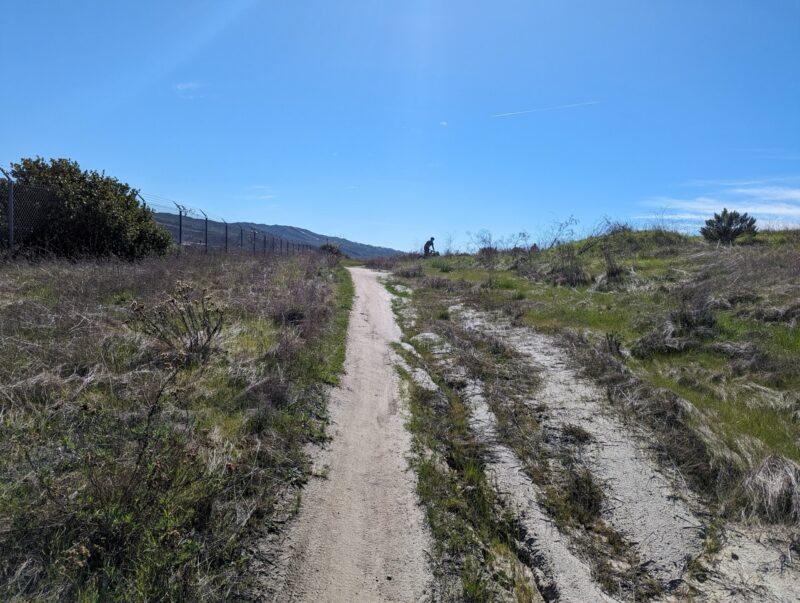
x: 194, y: 233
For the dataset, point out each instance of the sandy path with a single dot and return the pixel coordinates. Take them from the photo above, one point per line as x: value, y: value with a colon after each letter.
x: 360, y: 534
x: 559, y: 574
x: 644, y: 505
x: 559, y: 569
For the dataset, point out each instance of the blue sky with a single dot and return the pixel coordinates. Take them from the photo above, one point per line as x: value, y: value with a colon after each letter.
x: 388, y: 122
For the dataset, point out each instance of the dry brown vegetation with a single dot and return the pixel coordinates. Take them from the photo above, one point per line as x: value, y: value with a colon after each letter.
x: 153, y: 417
x: 698, y: 347
x: 702, y: 344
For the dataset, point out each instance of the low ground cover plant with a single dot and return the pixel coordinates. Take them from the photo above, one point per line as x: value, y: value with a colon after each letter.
x: 674, y: 325
x: 154, y: 416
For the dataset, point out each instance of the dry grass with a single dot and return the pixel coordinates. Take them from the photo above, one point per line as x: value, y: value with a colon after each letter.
x: 701, y: 345
x: 151, y: 416
x: 409, y: 271
x: 772, y: 490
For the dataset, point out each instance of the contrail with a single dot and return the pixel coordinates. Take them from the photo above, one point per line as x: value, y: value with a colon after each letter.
x: 513, y: 113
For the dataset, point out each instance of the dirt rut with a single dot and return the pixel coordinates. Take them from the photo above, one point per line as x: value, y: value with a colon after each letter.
x: 645, y: 505
x: 360, y: 534
x: 560, y: 575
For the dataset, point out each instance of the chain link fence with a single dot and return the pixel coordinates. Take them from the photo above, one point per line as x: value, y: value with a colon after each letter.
x: 23, y: 212
x: 25, y: 209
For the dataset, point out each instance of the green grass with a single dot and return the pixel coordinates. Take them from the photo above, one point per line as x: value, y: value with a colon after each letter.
x: 253, y: 337
x: 733, y: 418
x: 336, y: 342
x: 128, y: 475
x: 462, y: 509
x: 658, y: 268
x: 392, y: 288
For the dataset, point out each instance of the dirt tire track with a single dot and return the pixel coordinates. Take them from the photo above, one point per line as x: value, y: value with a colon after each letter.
x: 648, y: 507
x: 360, y: 534
x: 558, y: 572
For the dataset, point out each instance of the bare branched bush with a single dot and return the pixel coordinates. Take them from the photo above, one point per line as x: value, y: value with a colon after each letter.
x: 558, y: 233
x: 487, y: 255
x: 185, y: 326
x: 616, y: 227
x: 614, y: 272
x: 567, y: 268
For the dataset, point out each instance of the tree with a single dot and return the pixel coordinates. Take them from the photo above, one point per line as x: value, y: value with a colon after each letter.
x: 85, y: 212
x: 728, y: 226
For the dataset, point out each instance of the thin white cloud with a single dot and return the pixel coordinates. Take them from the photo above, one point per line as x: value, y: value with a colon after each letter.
x: 771, y: 193
x: 673, y: 216
x: 258, y: 192
x: 772, y: 204
x: 256, y: 197
x: 443, y: 124
x: 725, y: 183
x: 188, y: 90
x: 709, y: 205
x: 554, y: 108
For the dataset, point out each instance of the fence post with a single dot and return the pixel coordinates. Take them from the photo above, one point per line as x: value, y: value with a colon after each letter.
x: 10, y: 209
x: 264, y: 243
x: 226, y: 236
x: 241, y: 237
x: 206, y: 219
x: 254, y: 242
x: 180, y: 225
x: 273, y: 245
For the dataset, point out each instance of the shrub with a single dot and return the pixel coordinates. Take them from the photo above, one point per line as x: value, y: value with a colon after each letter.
x: 185, y: 326
x: 695, y: 315
x: 614, y: 272
x: 87, y: 213
x: 728, y: 226
x: 413, y: 271
x: 567, y: 268
x: 331, y: 249
x: 487, y: 255
x: 441, y: 265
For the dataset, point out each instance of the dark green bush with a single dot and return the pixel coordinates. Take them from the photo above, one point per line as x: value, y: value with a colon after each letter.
x: 85, y: 213
x: 331, y: 249
x: 727, y: 226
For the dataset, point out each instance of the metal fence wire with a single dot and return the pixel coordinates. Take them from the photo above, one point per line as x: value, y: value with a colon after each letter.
x: 25, y: 210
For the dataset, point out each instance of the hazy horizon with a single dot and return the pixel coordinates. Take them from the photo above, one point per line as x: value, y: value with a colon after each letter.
x: 386, y: 123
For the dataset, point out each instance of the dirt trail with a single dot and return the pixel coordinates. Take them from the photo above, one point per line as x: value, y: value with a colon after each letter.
x: 360, y: 534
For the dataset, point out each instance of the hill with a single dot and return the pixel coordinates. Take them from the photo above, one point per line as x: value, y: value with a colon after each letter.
x: 194, y: 232
x: 632, y: 384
